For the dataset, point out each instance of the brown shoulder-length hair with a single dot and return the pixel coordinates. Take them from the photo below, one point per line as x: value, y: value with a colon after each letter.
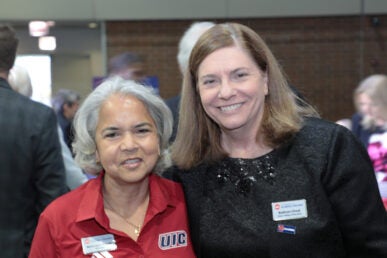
x: 198, y: 136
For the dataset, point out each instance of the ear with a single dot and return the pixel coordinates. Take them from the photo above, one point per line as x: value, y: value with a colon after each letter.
x: 265, y: 84
x: 97, y: 159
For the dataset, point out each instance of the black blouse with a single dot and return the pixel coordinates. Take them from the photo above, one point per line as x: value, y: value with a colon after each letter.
x: 230, y: 203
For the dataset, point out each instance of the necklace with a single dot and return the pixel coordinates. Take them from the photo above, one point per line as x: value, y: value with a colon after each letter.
x: 137, y: 228
x: 244, y: 173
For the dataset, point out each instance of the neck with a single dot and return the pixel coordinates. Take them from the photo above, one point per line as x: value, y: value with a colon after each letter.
x: 126, y: 200
x: 238, y: 146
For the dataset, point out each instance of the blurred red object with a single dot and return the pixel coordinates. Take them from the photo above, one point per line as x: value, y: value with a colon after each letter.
x: 385, y: 202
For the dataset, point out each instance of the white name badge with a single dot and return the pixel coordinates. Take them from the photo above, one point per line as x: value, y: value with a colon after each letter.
x: 289, y: 210
x: 101, y: 243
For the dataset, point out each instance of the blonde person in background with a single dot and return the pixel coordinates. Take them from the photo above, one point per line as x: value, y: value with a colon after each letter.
x: 362, y: 104
x: 375, y: 128
x: 363, y: 122
x: 20, y: 81
x: 122, y: 130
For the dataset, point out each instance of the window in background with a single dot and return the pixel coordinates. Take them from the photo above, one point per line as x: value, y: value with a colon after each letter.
x: 39, y: 69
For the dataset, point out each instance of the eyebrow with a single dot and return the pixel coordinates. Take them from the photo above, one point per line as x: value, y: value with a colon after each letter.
x: 144, y: 124
x: 207, y: 76
x: 113, y: 128
x: 110, y: 128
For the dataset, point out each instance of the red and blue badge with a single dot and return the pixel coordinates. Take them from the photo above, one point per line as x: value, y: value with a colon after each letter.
x: 281, y: 228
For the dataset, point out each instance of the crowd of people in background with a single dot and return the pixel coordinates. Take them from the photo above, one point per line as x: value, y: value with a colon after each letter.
x: 237, y: 164
x: 32, y: 173
x: 369, y: 124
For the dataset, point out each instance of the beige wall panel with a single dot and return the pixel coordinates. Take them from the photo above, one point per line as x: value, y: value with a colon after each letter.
x: 72, y: 72
x: 159, y: 9
x: 375, y: 6
x: 46, y: 9
x: 180, y: 9
x: 281, y: 8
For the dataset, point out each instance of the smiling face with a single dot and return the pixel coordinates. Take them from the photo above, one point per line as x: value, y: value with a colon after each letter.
x: 126, y: 139
x: 232, y: 89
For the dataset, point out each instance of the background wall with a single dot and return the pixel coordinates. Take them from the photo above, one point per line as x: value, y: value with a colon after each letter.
x: 80, y: 54
x: 325, y: 46
x: 101, y: 10
x: 324, y: 57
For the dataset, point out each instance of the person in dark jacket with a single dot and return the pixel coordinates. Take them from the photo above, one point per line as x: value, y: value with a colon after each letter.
x: 31, y: 165
x: 263, y: 175
x: 65, y: 104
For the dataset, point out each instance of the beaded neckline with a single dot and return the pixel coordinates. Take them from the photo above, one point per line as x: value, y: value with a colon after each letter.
x: 244, y: 173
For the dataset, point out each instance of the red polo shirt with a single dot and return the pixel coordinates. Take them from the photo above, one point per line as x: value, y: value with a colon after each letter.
x: 80, y: 214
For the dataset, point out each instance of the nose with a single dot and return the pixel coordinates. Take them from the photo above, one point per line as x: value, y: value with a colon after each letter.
x: 128, y: 143
x: 226, y: 90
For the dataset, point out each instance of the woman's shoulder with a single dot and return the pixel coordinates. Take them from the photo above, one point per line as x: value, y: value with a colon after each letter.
x: 317, y: 127
x: 185, y: 175
x: 315, y: 123
x: 321, y: 135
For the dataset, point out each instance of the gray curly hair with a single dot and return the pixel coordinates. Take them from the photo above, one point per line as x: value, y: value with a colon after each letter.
x: 86, y: 120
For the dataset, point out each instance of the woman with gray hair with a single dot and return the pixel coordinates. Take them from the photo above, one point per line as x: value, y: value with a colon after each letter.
x: 121, y: 129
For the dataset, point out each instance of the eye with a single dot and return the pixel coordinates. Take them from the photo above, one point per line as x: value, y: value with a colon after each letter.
x: 242, y: 74
x: 110, y: 135
x: 239, y: 75
x: 209, y: 81
x: 143, y: 130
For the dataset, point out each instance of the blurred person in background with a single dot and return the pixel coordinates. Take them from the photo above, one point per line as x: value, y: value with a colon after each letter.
x: 375, y: 128
x: 362, y: 103
x: 362, y: 123
x: 186, y: 43
x: 20, y: 81
x: 65, y: 104
x: 127, y: 65
x: 32, y: 170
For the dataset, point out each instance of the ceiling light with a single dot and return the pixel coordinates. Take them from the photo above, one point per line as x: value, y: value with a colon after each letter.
x: 47, y: 43
x: 38, y: 28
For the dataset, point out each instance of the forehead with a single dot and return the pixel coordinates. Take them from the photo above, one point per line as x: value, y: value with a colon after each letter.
x: 226, y: 58
x: 124, y: 107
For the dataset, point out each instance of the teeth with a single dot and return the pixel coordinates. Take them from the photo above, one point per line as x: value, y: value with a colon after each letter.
x: 131, y: 161
x: 230, y: 108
